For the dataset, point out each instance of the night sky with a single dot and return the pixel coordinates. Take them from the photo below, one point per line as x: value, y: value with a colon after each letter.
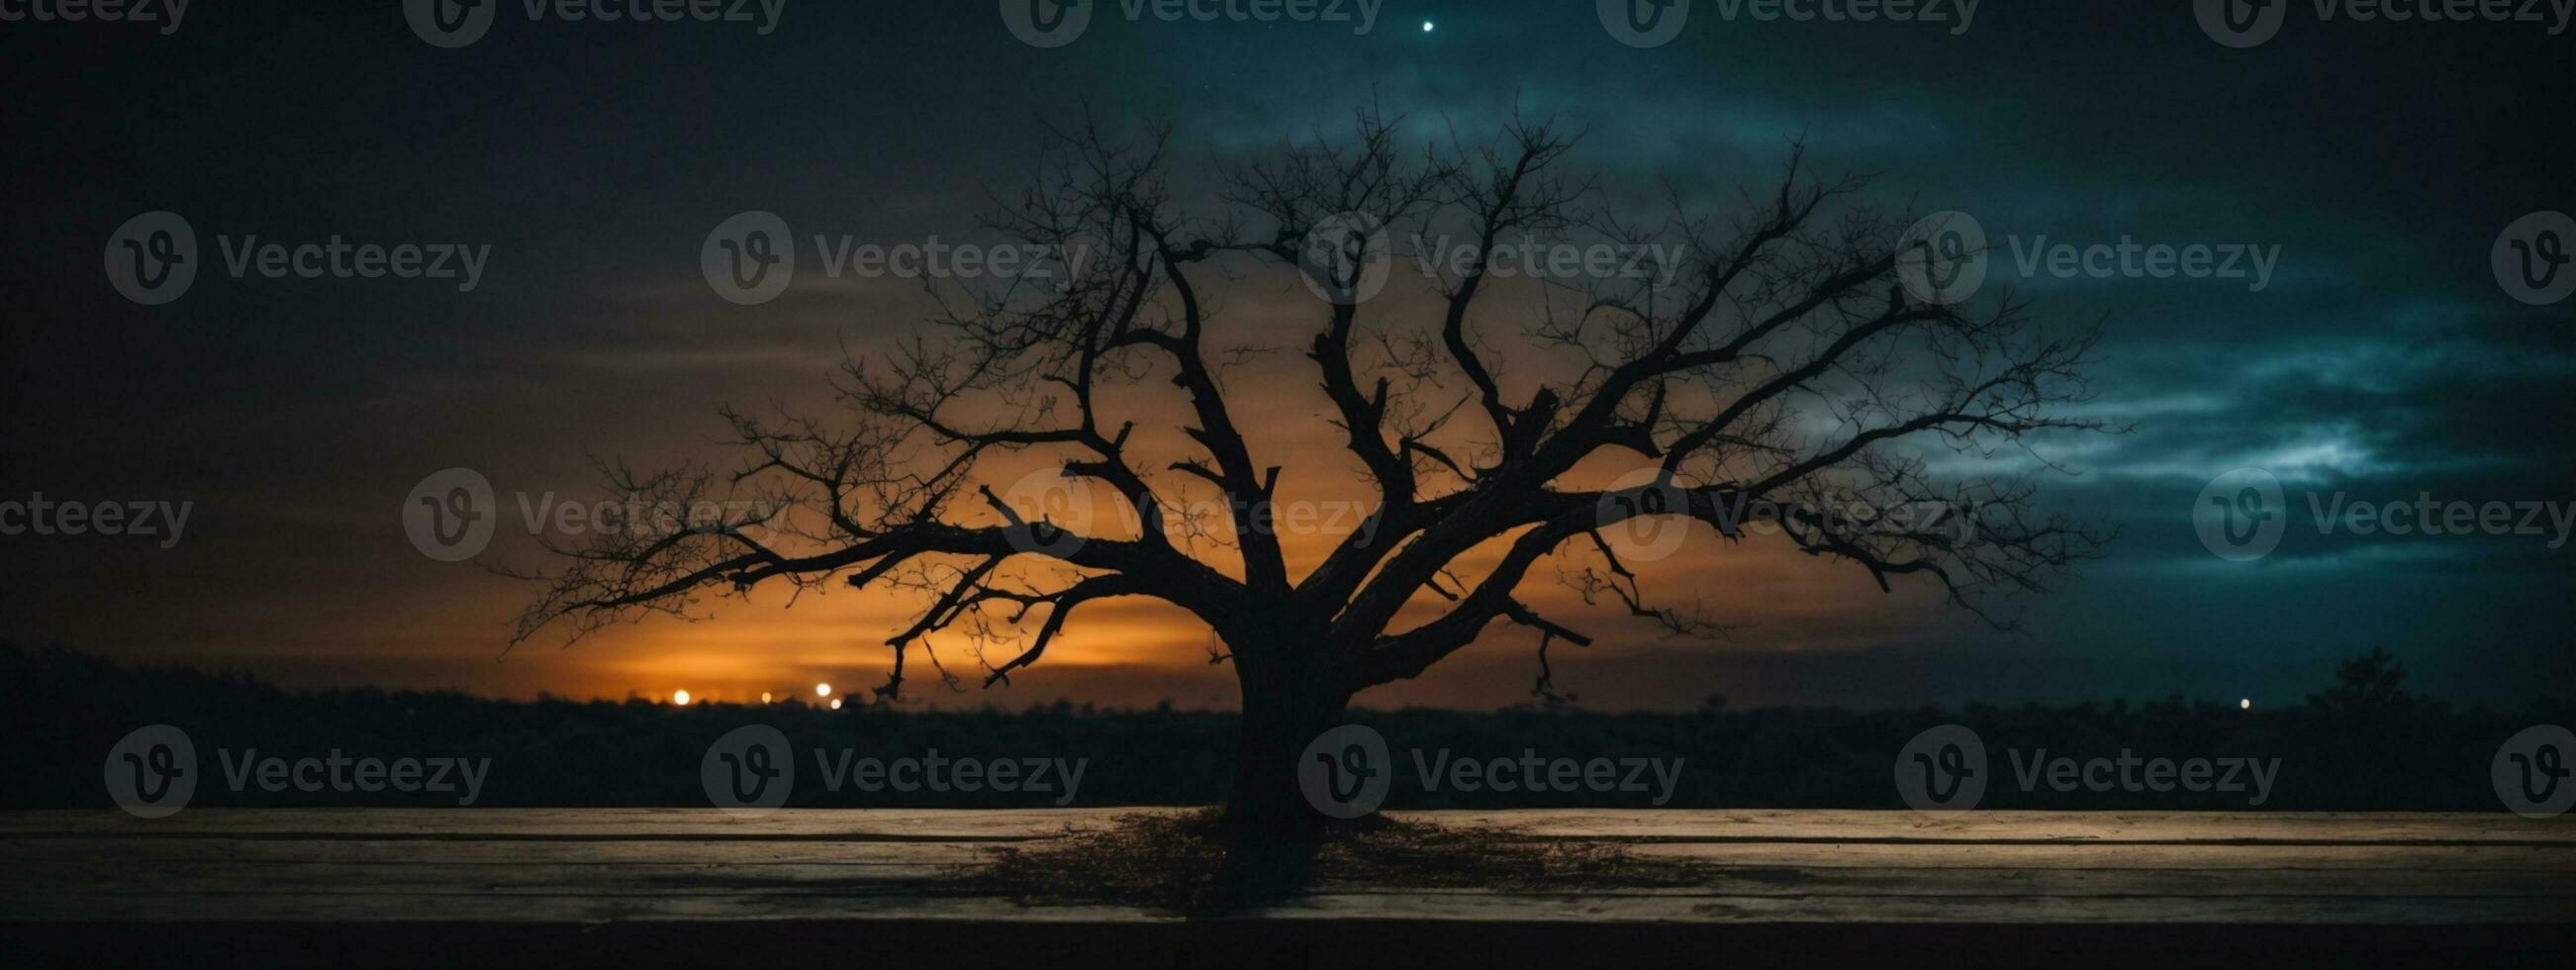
x: 2381, y: 358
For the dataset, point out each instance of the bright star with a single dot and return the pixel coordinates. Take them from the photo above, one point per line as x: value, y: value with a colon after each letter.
x: 1426, y: 26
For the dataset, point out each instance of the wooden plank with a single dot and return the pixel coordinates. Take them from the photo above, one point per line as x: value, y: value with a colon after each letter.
x: 1827, y: 825
x: 1456, y: 906
x: 581, y: 866
x: 552, y: 823
x: 2025, y: 910
x: 206, y: 876
x: 1702, y: 825
x: 487, y: 877
x: 2118, y: 855
x: 519, y: 908
x: 15, y: 853
x: 19, y: 853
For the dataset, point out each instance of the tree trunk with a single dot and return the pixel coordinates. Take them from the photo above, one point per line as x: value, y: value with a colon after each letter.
x: 1271, y: 830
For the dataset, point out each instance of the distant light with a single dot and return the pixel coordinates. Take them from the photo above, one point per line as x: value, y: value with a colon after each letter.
x: 1426, y: 26
x: 764, y: 697
x: 2246, y: 704
x: 822, y: 690
x: 836, y: 703
x: 680, y: 697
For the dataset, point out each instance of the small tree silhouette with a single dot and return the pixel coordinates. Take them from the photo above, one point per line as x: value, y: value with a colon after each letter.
x: 1778, y: 379
x: 2373, y: 683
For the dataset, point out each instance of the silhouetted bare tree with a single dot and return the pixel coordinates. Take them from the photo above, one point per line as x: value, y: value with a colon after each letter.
x: 1774, y: 379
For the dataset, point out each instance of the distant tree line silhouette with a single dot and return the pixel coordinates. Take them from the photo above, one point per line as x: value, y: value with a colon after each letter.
x: 2362, y: 743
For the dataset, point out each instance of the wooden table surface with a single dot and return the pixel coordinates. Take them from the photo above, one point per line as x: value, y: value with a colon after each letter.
x: 2355, y: 876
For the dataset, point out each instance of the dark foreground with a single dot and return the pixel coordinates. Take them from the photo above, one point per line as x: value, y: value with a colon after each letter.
x: 892, y: 888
